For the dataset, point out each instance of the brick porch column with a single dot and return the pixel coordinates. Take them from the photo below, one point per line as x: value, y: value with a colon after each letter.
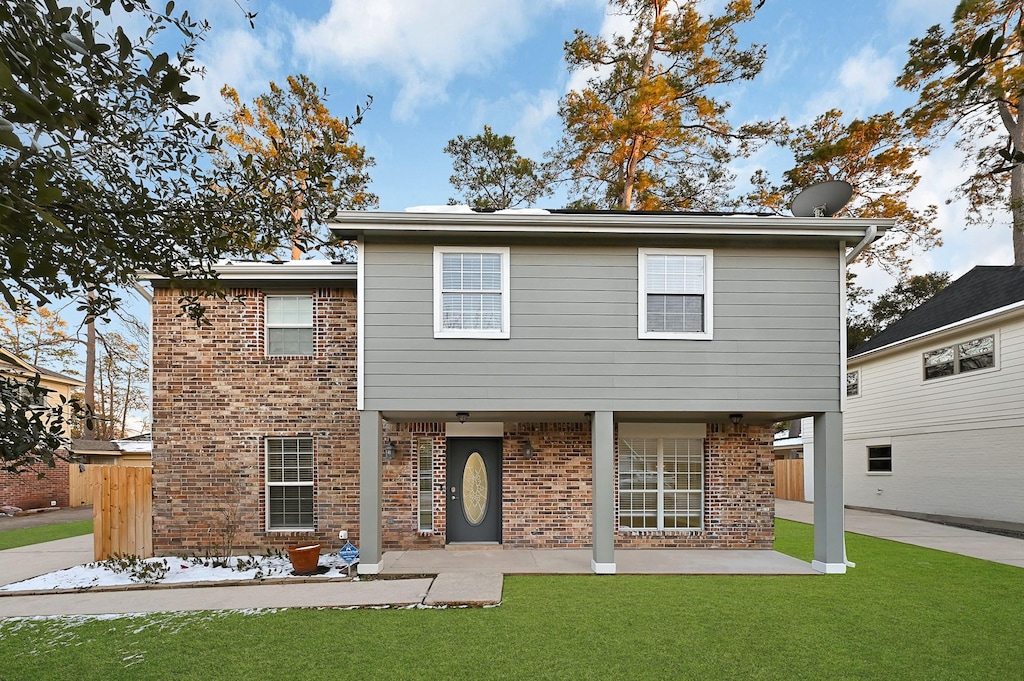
x: 371, y: 561
x: 603, y: 455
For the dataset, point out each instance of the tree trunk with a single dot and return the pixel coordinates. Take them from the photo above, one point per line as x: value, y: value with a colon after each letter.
x: 1017, y: 210
x: 89, y: 432
x: 633, y: 163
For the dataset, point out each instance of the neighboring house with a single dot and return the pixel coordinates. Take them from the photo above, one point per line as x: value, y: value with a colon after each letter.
x: 935, y: 406
x: 43, y: 486
x: 531, y: 380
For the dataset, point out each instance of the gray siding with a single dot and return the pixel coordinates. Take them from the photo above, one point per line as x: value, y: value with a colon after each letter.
x: 574, y: 344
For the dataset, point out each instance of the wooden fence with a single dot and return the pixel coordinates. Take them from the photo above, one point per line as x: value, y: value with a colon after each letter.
x: 122, y: 511
x: 79, y: 485
x: 789, y: 479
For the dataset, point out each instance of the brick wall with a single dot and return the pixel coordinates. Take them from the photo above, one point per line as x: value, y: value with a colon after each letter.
x: 546, y: 500
x: 216, y: 397
x: 29, y: 490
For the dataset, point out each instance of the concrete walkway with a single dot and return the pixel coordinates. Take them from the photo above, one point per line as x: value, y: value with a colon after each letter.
x: 990, y: 547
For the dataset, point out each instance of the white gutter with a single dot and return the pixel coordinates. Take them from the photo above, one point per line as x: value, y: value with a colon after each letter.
x: 869, y: 235
x: 143, y: 292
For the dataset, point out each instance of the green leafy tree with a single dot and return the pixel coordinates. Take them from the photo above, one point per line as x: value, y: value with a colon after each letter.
x: 969, y: 80
x: 103, y: 163
x: 289, y: 148
x: 893, y: 305
x: 648, y: 130
x: 490, y: 174
x: 877, y: 157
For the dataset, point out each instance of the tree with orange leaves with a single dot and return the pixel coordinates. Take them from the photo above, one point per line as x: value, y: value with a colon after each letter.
x: 287, y: 146
x: 647, y: 130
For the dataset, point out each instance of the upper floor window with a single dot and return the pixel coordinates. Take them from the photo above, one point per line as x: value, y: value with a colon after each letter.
x: 675, y: 293
x: 471, y: 292
x: 289, y: 325
x: 852, y: 383
x: 978, y: 353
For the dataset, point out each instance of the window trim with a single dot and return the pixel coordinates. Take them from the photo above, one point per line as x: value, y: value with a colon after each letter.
x: 709, y: 277
x: 955, y: 346
x: 267, y: 325
x: 660, y: 490
x: 267, y: 485
x: 439, y: 330
x: 867, y: 453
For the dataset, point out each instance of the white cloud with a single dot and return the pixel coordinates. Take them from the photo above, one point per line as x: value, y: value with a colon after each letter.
x: 863, y: 82
x: 422, y: 45
x: 241, y: 59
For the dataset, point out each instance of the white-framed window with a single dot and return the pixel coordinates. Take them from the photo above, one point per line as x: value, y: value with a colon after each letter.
x: 960, y: 358
x: 661, y: 483
x: 880, y: 459
x: 676, y: 293
x: 471, y: 292
x: 289, y: 321
x: 289, y: 483
x: 852, y: 383
x: 425, y: 484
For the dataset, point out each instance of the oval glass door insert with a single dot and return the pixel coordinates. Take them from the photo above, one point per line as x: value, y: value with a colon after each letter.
x: 474, y: 489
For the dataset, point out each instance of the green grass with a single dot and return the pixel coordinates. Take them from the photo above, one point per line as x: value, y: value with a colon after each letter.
x: 24, y: 536
x: 903, y: 613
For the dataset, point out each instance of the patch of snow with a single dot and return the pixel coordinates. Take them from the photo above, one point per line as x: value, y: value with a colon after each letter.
x: 439, y: 209
x: 179, y: 571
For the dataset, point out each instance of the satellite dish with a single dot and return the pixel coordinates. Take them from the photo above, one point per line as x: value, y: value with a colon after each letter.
x: 822, y: 200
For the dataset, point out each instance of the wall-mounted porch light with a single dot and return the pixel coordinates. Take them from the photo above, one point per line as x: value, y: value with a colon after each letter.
x: 735, y: 418
x: 389, y: 450
x: 527, y: 449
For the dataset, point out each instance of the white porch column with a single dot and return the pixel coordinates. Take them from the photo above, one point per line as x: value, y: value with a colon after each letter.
x: 829, y: 543
x: 371, y: 561
x: 603, y: 467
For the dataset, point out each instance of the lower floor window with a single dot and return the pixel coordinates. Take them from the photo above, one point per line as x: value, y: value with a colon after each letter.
x: 661, y: 483
x: 289, y: 483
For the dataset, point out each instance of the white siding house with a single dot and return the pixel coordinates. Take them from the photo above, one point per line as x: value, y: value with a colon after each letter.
x: 934, y: 414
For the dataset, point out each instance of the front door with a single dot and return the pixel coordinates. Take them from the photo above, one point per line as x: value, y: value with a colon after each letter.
x: 473, y: 490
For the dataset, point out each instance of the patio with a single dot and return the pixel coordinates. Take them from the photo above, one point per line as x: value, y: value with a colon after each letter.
x: 578, y: 562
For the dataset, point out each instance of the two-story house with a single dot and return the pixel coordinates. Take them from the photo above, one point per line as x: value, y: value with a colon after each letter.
x: 934, y: 404
x: 531, y: 379
x: 43, y: 486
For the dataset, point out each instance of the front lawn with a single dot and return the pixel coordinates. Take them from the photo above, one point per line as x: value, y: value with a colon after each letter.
x: 903, y: 613
x: 25, y: 536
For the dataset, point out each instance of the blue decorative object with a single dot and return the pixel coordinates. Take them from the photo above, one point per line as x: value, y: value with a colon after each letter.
x: 349, y: 553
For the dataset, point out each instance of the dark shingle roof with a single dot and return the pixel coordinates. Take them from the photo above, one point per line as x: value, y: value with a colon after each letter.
x: 983, y: 289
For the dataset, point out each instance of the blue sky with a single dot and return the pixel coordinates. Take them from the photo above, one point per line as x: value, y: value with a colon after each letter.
x: 440, y: 68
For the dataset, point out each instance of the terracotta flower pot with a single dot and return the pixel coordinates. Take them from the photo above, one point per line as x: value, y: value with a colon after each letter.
x: 305, y: 558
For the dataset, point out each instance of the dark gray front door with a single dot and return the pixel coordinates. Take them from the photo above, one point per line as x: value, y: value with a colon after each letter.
x: 473, y: 490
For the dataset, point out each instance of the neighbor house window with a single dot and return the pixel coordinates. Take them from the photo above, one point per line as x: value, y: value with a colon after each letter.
x: 852, y: 383
x: 289, y: 483
x: 289, y: 325
x: 661, y: 483
x: 880, y: 459
x: 978, y: 353
x: 471, y: 292
x: 425, y: 459
x: 675, y: 294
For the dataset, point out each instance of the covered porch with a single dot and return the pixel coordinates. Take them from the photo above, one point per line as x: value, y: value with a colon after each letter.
x: 737, y: 480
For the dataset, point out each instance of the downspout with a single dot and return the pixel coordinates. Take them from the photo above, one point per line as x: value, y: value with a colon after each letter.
x: 870, y: 235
